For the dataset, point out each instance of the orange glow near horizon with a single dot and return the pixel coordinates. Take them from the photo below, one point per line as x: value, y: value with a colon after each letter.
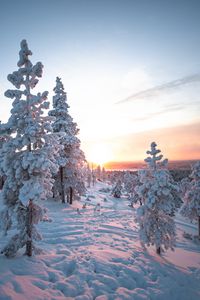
x: 175, y: 143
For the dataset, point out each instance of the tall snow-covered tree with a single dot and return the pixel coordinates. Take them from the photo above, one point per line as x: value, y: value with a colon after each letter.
x: 29, y: 156
x: 159, y: 195
x: 191, y: 206
x: 70, y: 179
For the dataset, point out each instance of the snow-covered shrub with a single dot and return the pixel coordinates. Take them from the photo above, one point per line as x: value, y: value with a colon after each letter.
x: 131, y: 180
x: 191, y: 206
x: 28, y: 157
x: 158, y: 194
x: 117, y: 189
x: 179, y: 175
x: 98, y: 172
x: 184, y: 185
x: 105, y: 190
x: 5, y: 220
x: 103, y: 174
x: 115, y: 176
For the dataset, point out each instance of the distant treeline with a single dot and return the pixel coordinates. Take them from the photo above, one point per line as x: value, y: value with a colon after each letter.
x: 173, y: 165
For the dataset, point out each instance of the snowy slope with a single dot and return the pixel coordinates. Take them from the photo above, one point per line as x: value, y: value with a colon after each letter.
x: 97, y: 255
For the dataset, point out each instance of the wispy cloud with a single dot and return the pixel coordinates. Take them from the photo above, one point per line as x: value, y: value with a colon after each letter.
x: 165, y: 87
x: 166, y: 109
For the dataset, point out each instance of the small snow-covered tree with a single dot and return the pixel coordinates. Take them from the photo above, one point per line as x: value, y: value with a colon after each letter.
x: 115, y: 176
x: 191, y: 206
x: 70, y: 179
x: 184, y: 185
x: 103, y: 174
x: 98, y: 172
x: 130, y: 182
x: 117, y: 189
x: 159, y: 195
x: 29, y: 156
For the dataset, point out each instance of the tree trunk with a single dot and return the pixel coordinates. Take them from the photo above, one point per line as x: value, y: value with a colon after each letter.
x: 70, y: 195
x: 199, y: 227
x: 53, y: 192
x: 1, y: 182
x: 29, y: 223
x: 158, y: 251
x: 29, y: 219
x: 67, y: 196
x: 29, y: 147
x: 93, y: 179
x: 62, y: 185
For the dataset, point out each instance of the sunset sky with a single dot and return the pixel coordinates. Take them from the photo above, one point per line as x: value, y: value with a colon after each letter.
x: 131, y: 70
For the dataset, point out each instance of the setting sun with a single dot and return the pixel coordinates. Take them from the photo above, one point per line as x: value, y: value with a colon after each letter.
x: 99, y: 154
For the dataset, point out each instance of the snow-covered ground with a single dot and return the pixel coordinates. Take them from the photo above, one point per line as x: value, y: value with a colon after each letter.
x: 90, y: 254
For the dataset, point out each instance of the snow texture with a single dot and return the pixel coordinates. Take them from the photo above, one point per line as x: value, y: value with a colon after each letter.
x: 97, y: 255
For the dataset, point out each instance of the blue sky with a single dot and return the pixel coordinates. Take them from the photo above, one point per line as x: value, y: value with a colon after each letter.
x: 106, y: 51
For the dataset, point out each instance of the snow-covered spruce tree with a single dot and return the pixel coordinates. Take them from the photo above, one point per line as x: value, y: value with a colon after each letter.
x: 130, y: 182
x: 29, y: 156
x: 159, y: 195
x: 117, y: 189
x: 191, y: 206
x: 70, y: 179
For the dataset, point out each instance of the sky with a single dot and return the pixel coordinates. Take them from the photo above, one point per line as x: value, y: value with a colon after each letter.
x: 131, y: 70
